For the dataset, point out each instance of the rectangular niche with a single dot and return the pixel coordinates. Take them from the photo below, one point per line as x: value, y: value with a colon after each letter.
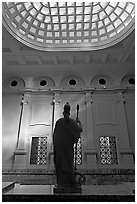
x: 41, y: 113
x: 108, y: 150
x: 105, y: 113
x: 40, y: 110
x: 38, y: 151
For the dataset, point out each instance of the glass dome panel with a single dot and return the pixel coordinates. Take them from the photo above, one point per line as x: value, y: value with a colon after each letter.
x: 69, y: 25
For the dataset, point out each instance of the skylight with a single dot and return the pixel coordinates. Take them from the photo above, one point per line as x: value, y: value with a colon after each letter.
x: 69, y: 25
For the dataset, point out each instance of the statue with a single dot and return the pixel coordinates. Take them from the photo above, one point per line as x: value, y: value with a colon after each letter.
x: 66, y: 133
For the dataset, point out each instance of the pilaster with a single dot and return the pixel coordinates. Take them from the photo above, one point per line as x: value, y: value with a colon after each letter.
x: 125, y: 149
x: 20, y: 153
x: 90, y: 150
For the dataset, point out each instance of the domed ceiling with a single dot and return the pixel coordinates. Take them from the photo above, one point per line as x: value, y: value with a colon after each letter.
x: 69, y: 26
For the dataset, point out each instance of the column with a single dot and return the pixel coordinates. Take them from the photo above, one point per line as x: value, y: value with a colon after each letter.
x: 125, y: 149
x: 90, y: 150
x: 20, y: 153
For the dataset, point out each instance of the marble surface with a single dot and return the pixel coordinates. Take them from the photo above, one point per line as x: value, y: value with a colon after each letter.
x: 121, y: 189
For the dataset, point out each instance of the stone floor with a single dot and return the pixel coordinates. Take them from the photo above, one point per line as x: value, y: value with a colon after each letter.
x: 122, y: 192
x: 123, y: 189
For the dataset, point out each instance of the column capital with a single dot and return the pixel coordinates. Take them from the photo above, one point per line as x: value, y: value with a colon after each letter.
x: 56, y: 98
x: 25, y: 99
x: 88, y: 97
x: 120, y: 97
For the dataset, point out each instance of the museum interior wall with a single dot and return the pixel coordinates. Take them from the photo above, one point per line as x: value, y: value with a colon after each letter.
x: 31, y: 106
x: 77, y: 52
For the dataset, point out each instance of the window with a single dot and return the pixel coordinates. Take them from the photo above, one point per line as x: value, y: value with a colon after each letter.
x: 108, y: 150
x: 14, y: 83
x: 43, y: 83
x: 78, y: 152
x: 131, y: 81
x: 72, y: 82
x: 38, y: 151
x: 103, y: 20
x: 102, y: 81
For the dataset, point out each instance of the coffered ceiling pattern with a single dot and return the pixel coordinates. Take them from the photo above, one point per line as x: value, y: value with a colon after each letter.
x: 69, y: 26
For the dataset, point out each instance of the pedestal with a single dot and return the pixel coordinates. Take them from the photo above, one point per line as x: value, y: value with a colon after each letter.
x: 20, y: 159
x: 67, y: 189
x: 91, y: 155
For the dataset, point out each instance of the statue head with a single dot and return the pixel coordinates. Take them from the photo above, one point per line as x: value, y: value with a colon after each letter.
x: 66, y: 111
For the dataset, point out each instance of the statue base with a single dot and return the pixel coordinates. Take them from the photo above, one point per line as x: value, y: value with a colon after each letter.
x: 67, y: 189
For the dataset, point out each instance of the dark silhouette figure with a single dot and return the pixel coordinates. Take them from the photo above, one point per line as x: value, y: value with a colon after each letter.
x: 66, y: 134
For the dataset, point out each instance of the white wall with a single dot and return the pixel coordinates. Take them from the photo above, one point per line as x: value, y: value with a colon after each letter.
x: 105, y: 110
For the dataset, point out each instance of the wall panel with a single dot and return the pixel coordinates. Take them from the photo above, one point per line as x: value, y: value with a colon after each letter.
x: 40, y: 125
x: 10, y: 124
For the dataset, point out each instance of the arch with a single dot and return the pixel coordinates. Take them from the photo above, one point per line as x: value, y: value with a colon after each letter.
x: 43, y: 82
x: 128, y: 81
x: 72, y: 81
x: 13, y: 83
x: 102, y: 81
